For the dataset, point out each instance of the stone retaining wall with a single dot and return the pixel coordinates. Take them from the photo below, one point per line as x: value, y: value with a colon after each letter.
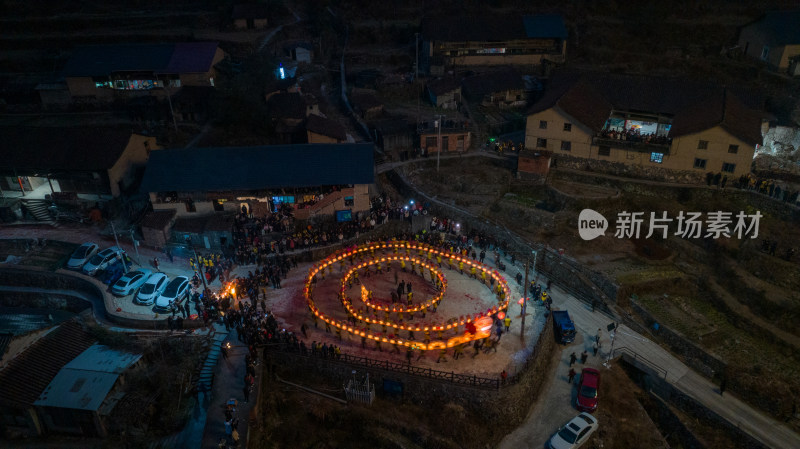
x: 507, y: 407
x: 630, y: 170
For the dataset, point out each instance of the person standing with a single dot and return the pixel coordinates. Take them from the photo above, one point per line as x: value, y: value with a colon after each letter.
x: 584, y: 356
x: 595, y: 347
x: 572, y: 359
x: 155, y: 264
x: 571, y: 375
x: 507, y: 322
x: 246, y: 392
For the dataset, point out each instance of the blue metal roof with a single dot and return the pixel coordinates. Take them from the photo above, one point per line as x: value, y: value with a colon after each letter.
x: 102, y: 60
x: 258, y: 167
x: 545, y: 26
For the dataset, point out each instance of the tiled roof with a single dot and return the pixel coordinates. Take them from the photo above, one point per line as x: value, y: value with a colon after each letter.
x: 326, y: 127
x: 103, y: 60
x: 444, y: 85
x: 250, y: 11
x: 158, y: 219
x: 497, y: 81
x: 219, y: 222
x: 58, y: 148
x: 780, y: 27
x: 258, y: 167
x: 28, y: 374
x: 694, y: 106
x: 287, y: 105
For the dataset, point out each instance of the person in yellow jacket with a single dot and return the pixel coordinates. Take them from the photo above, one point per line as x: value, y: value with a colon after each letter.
x: 461, y: 267
x: 473, y: 272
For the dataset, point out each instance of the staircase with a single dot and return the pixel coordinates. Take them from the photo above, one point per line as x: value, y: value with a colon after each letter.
x: 39, y: 210
x: 205, y: 378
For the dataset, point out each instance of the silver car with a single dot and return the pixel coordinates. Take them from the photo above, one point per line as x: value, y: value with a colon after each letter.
x: 175, y: 291
x: 151, y: 289
x: 81, y: 255
x: 102, y: 260
x: 574, y: 433
x: 128, y: 283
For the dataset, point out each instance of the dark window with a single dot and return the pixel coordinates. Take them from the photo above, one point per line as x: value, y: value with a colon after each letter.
x: 445, y: 143
x: 604, y: 150
x: 700, y: 163
x: 568, y: 127
x: 733, y: 149
x: 566, y: 146
x: 431, y: 142
x: 657, y: 157
x: 541, y: 143
x: 702, y: 144
x: 728, y: 167
x: 542, y: 124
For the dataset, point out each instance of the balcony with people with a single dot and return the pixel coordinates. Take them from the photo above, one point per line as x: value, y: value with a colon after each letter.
x: 637, y: 135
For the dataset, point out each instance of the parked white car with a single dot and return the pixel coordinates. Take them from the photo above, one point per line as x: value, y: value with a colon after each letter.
x: 151, y: 289
x: 175, y: 291
x: 103, y: 259
x: 81, y: 255
x: 128, y: 283
x: 574, y: 433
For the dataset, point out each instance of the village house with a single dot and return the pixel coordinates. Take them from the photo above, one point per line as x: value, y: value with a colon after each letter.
x: 25, y: 375
x: 365, y: 104
x: 93, y: 163
x: 311, y: 180
x: 520, y: 40
x: 393, y: 135
x: 775, y: 39
x: 106, y: 73
x: 444, y: 92
x: 324, y: 130
x: 250, y: 16
x: 501, y: 88
x: 288, y: 112
x: 302, y: 52
x: 454, y: 137
x: 659, y: 128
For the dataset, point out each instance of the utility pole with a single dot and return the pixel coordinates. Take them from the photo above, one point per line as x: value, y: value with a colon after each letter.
x: 135, y: 246
x: 524, y: 300
x: 114, y: 230
x: 439, y: 142
x: 416, y: 49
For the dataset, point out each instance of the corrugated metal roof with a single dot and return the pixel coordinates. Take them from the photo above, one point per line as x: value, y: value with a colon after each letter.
x: 27, y: 375
x: 77, y: 389
x: 104, y: 359
x: 258, y: 167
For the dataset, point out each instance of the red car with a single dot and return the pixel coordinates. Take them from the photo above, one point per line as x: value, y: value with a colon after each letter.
x: 588, y: 387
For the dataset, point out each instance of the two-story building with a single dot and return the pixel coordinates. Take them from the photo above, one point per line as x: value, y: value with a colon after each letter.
x: 454, y: 136
x: 106, y: 73
x: 98, y: 162
x: 659, y: 128
x: 522, y: 40
x: 311, y: 180
x: 774, y: 38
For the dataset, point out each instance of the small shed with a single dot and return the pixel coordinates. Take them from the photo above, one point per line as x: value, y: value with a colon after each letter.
x: 444, y: 92
x: 302, y: 52
x: 250, y: 16
x: 156, y: 227
x: 533, y: 165
x: 366, y: 104
x: 393, y: 134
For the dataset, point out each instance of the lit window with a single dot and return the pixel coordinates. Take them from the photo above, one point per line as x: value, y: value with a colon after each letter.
x: 657, y: 157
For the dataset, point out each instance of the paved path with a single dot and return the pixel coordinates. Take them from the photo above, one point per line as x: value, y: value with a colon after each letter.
x: 554, y: 407
x: 769, y: 431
